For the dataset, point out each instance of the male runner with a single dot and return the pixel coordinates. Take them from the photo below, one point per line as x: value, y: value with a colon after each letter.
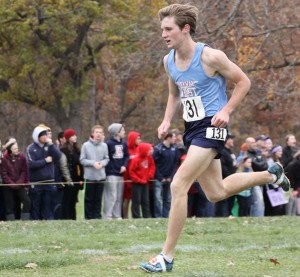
x: 197, y: 76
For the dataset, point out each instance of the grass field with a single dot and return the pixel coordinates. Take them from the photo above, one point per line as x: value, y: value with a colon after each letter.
x: 208, y: 247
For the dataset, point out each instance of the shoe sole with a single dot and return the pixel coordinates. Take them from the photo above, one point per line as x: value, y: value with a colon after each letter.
x: 284, y: 176
x: 152, y: 272
x: 148, y: 271
x: 289, y: 186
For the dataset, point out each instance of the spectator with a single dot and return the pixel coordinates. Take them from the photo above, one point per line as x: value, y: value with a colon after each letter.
x: 151, y: 190
x: 134, y: 139
x: 289, y: 150
x: 71, y: 149
x: 269, y: 144
x: 293, y: 173
x: 276, y: 154
x: 62, y: 178
x: 243, y: 151
x: 2, y: 205
x: 94, y: 158
x: 259, y: 163
x: 60, y: 139
x: 166, y: 161
x: 118, y: 162
x: 59, y: 169
x: 15, y: 171
x: 181, y: 149
x: 228, y: 164
x: 40, y: 155
x: 244, y: 197
x: 17, y: 209
x: 141, y: 171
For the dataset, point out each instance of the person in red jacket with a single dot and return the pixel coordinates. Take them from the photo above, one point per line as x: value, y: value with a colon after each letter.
x: 134, y: 139
x: 141, y: 171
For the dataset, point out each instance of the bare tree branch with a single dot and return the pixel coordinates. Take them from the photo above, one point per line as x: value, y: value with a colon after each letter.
x: 279, y: 28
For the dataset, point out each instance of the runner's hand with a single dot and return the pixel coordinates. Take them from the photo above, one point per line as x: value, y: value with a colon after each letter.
x: 163, y: 129
x: 220, y: 119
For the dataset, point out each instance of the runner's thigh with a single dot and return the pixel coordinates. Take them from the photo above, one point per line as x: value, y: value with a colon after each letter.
x: 211, y: 179
x: 197, y: 161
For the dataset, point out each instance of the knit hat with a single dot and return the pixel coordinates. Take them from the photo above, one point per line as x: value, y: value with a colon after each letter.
x: 114, y: 128
x: 69, y: 133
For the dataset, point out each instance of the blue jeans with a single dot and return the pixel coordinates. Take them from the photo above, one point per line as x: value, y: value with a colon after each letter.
x: 162, y: 199
x: 257, y: 203
x: 42, y: 204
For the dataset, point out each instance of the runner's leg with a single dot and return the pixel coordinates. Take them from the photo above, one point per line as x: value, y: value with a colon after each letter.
x: 197, y: 161
x: 217, y: 189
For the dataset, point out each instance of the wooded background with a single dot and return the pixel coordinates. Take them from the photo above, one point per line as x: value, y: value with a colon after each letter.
x: 74, y: 63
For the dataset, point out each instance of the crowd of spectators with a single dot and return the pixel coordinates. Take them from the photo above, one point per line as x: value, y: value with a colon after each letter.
x: 124, y: 177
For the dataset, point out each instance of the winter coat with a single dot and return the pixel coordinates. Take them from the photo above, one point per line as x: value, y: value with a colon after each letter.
x: 293, y: 173
x: 142, y: 167
x: 132, y: 150
x: 39, y: 169
x: 166, y: 161
x: 15, y: 170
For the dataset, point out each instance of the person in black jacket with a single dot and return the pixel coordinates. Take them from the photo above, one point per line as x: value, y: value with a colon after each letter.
x: 289, y: 150
x: 228, y: 163
x: 70, y: 192
x: 293, y: 173
x: 259, y: 163
x: 166, y: 158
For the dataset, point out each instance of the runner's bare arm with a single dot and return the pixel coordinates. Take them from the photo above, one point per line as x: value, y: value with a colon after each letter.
x: 218, y: 62
x: 172, y: 107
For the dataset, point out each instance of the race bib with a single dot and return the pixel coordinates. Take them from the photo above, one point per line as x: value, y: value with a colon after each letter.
x: 193, y: 108
x: 216, y: 133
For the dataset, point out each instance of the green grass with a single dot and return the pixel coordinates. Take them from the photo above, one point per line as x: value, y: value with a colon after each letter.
x: 207, y: 247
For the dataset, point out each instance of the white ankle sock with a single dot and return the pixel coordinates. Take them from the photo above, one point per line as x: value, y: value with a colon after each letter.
x: 274, y: 177
x: 169, y: 260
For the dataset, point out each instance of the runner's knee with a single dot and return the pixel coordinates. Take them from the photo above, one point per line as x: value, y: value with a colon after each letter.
x: 216, y: 196
x: 179, y: 188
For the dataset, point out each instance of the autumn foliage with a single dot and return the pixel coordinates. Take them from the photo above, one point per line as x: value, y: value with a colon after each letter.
x: 78, y: 63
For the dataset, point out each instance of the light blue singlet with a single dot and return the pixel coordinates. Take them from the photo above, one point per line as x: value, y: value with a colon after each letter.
x: 202, y: 96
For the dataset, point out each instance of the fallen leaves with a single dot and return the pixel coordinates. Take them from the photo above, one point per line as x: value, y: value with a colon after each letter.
x: 230, y: 263
x: 275, y: 261
x: 31, y: 265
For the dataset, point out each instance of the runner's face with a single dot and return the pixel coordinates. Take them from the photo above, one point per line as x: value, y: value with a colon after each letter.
x: 171, y: 32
